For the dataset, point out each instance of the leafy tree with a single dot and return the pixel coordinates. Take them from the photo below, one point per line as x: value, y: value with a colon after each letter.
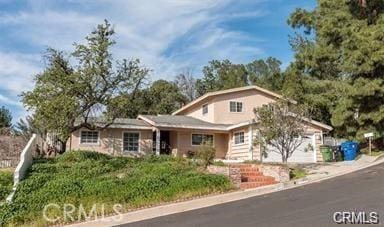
x: 162, y: 97
x: 66, y: 97
x: 166, y: 97
x: 5, y: 118
x: 281, y: 126
x: 219, y: 75
x: 343, y: 41
x: 266, y: 73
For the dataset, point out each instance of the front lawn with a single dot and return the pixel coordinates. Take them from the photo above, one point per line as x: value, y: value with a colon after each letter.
x: 88, y: 179
x: 6, y: 183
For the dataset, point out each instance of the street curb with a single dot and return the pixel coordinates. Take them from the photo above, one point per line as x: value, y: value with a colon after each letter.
x: 290, y: 185
x: 208, y: 201
x: 178, y: 207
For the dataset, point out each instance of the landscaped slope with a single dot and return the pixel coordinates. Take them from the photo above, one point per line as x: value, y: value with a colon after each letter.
x: 6, y: 182
x: 88, y: 179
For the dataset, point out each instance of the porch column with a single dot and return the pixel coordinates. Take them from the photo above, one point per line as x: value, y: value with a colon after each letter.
x: 157, y: 141
x: 250, y: 141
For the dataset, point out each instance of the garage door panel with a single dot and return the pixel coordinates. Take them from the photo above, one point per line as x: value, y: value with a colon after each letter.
x: 301, y: 155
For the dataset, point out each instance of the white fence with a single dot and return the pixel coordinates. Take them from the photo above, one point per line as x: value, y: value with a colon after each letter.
x: 8, y: 163
x: 10, y: 150
x: 26, y: 160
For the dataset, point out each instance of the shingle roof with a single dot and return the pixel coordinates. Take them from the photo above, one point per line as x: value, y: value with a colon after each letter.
x: 129, y: 123
x: 179, y: 121
x: 123, y: 123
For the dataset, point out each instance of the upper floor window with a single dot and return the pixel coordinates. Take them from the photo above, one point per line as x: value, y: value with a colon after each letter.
x: 205, y: 109
x: 238, y: 137
x: 198, y: 139
x: 236, y: 107
x: 270, y: 106
x: 89, y: 137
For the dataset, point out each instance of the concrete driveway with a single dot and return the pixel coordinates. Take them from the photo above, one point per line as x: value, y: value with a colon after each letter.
x: 309, y: 205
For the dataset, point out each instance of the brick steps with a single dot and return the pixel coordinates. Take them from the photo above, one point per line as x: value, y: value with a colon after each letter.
x: 257, y: 179
x: 252, y: 177
x: 247, y: 185
x: 251, y: 174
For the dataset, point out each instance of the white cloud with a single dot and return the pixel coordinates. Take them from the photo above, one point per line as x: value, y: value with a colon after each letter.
x: 167, y: 35
x: 16, y: 72
x: 5, y: 100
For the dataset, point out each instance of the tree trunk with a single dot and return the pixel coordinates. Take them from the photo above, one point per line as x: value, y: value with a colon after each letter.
x: 63, y: 146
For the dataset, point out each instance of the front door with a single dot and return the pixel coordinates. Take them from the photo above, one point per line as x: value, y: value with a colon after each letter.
x: 165, y: 148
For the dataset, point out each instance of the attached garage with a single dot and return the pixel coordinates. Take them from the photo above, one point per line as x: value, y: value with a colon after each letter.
x: 305, y: 153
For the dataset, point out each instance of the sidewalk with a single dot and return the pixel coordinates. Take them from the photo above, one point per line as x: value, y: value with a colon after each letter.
x: 318, y: 172
x: 322, y: 171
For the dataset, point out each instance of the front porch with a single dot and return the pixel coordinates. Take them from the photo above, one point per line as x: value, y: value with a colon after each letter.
x: 178, y: 141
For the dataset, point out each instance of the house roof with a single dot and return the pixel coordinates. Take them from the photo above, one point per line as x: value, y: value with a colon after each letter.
x: 125, y: 123
x: 319, y: 124
x: 181, y: 122
x: 210, y: 94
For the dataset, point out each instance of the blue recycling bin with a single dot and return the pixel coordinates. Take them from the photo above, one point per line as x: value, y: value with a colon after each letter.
x: 350, y: 149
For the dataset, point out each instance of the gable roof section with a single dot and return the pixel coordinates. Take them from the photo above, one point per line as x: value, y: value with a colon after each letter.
x: 319, y: 124
x: 181, y: 122
x: 210, y: 94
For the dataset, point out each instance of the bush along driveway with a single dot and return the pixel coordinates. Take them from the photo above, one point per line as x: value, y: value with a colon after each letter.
x: 86, y: 180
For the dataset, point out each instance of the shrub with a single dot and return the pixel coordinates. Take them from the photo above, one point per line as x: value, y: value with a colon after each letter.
x: 6, y: 183
x: 206, y: 153
x: 191, y: 154
x: 297, y: 173
x: 219, y: 163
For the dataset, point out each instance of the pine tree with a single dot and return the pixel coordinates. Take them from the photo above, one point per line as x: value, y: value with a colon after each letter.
x: 347, y: 47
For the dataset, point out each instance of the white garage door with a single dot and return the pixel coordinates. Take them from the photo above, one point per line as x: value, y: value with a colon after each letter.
x: 303, y: 154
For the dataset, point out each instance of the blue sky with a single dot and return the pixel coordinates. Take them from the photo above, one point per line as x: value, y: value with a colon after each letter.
x: 168, y: 36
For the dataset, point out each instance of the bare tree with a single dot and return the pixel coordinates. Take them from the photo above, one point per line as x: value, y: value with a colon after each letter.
x: 281, y: 126
x: 186, y: 84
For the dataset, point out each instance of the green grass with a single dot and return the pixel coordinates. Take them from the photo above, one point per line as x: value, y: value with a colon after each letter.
x: 6, y: 183
x: 297, y: 173
x: 88, y: 178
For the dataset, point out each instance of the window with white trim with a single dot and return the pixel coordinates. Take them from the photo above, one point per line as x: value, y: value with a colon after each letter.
x: 131, y: 141
x: 205, y: 109
x: 198, y: 139
x: 238, y: 137
x: 89, y: 137
x: 235, y: 107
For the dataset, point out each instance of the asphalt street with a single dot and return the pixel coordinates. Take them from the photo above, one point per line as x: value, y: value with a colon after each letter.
x: 311, y: 205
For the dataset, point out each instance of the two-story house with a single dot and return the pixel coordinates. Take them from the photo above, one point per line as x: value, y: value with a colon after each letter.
x: 224, y: 117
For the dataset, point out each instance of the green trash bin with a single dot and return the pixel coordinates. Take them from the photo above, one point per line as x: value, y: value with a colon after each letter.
x: 326, y: 152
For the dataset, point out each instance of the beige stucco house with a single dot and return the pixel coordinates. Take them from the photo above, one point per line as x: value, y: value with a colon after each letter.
x: 223, y: 117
